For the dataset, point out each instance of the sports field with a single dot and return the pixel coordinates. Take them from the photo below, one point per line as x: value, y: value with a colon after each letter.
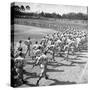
x: 61, y: 72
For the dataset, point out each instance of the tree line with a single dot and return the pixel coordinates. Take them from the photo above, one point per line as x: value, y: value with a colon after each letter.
x: 19, y: 12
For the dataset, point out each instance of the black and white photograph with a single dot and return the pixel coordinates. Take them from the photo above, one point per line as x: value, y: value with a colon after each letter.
x: 49, y: 44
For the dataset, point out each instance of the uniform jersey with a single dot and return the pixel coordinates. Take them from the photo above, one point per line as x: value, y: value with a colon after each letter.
x: 57, y: 43
x: 19, y: 58
x: 37, y: 52
x: 43, y: 40
x: 19, y: 46
x: 43, y: 59
x: 77, y: 41
x: 27, y: 42
x: 35, y: 46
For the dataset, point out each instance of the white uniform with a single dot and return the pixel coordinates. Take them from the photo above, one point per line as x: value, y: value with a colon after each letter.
x: 35, y: 46
x: 43, y: 61
x: 19, y: 58
x: 58, y: 42
x: 27, y: 42
x: 37, y: 52
x: 77, y: 41
x: 22, y: 45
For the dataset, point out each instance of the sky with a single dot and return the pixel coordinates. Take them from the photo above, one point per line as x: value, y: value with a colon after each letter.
x: 53, y: 8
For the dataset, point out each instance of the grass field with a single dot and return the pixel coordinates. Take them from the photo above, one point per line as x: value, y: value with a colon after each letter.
x: 56, y: 24
x: 63, y: 72
x: 36, y: 33
x: 37, y: 28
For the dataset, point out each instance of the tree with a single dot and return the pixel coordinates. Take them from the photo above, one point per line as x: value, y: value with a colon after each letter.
x: 42, y: 13
x: 28, y: 7
x: 22, y: 8
x: 16, y: 8
x: 54, y: 15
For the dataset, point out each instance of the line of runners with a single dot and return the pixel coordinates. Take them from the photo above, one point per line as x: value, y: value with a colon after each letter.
x: 56, y: 44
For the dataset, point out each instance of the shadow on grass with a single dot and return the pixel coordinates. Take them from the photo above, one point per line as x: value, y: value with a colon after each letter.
x: 29, y: 74
x: 86, y: 50
x: 34, y: 75
x: 73, y: 62
x: 82, y: 56
x: 54, y: 70
x: 74, y: 58
x: 60, y: 64
x: 79, y: 54
x: 57, y: 82
x: 31, y: 85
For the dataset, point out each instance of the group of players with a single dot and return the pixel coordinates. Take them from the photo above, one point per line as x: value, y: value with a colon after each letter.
x: 61, y: 44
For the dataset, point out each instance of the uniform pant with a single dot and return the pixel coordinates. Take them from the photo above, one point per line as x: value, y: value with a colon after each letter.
x: 28, y: 51
x: 42, y: 73
x: 43, y: 70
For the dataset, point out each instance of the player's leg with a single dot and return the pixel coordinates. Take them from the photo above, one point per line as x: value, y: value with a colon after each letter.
x: 41, y: 74
x: 29, y: 51
x: 45, y: 70
x: 66, y: 56
x: 26, y: 52
x: 53, y: 56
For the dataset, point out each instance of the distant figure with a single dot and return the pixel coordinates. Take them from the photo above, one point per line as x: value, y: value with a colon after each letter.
x: 18, y: 48
x: 28, y: 43
x: 66, y: 51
